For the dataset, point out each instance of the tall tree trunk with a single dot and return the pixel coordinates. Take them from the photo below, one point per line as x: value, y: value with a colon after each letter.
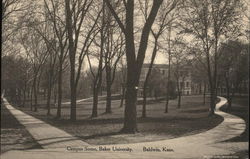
x: 134, y: 63
x: 204, y: 94
x: 36, y: 90
x: 97, y: 83
x: 228, y: 92
x: 214, y: 82
x: 73, y: 102
x: 34, y: 93
x: 31, y: 97
x: 108, y: 84
x: 48, y: 100
x: 49, y: 92
x: 212, y: 100
x: 211, y: 85
x: 55, y: 95
x: 230, y: 101
x: 95, y: 101
x: 169, y: 62
x: 130, y: 118
x: 179, y: 94
x: 19, y: 95
x: 167, y: 96
x: 72, y: 52
x: 179, y: 100
x: 122, y: 95
x: 24, y: 98
x: 144, y: 103
x: 130, y: 114
x: 24, y: 93
x: 28, y: 89
x: 96, y: 87
x: 59, y: 101
x: 35, y: 97
x: 147, y: 78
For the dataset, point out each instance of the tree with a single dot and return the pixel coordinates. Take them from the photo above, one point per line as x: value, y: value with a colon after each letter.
x: 45, y: 30
x: 161, y: 23
x: 12, y: 12
x: 55, y: 16
x: 112, y: 56
x: 179, y: 60
x: 157, y: 83
x: 134, y: 63
x: 209, y: 21
x: 232, y: 67
x: 15, y: 71
x: 37, y: 54
x: 76, y: 12
x: 122, y: 79
x: 97, y: 72
x: 199, y: 74
x: 10, y: 7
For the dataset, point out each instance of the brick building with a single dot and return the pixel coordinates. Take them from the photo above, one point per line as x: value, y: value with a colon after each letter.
x: 186, y: 82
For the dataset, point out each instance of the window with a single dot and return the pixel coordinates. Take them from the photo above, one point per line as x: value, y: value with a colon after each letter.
x: 187, y: 84
x: 181, y: 84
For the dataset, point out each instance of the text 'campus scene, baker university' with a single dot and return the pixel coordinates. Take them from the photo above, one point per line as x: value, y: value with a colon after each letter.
x: 125, y: 79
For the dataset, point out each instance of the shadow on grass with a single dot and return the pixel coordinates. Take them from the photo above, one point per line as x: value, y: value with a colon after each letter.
x: 100, y: 135
x: 91, y: 121
x: 196, y: 111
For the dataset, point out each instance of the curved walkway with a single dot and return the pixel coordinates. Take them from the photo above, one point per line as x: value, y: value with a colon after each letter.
x: 201, y: 145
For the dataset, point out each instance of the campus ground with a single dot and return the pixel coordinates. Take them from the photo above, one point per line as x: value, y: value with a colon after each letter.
x: 192, y: 118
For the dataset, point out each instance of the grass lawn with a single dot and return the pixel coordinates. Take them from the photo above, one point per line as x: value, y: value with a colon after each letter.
x: 13, y: 135
x: 240, y: 107
x: 192, y: 118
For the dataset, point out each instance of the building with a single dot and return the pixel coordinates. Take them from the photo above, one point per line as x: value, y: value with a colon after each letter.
x: 186, y: 83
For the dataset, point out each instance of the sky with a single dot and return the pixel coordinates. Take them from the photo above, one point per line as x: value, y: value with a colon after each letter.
x: 161, y: 57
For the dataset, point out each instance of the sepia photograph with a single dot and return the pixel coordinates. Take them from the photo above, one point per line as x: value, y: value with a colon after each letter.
x: 125, y: 79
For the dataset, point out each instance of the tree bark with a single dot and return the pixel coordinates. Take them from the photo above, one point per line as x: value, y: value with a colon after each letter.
x: 72, y: 52
x: 147, y: 78
x: 179, y: 92
x: 73, y: 102
x: 48, y: 100
x: 134, y: 64
x: 122, y: 95
x: 108, y: 84
x: 95, y: 101
x: 179, y: 100
x: 204, y: 94
x: 130, y: 121
x: 49, y: 92
x: 31, y: 97
x: 169, y: 62
x: 144, y: 115
x: 24, y: 93
x: 59, y: 101
x: 212, y: 100
x: 35, y: 96
x: 55, y: 96
x: 34, y: 92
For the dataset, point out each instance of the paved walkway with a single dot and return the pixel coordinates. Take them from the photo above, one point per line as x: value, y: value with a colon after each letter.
x: 203, y: 145
x: 49, y: 137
